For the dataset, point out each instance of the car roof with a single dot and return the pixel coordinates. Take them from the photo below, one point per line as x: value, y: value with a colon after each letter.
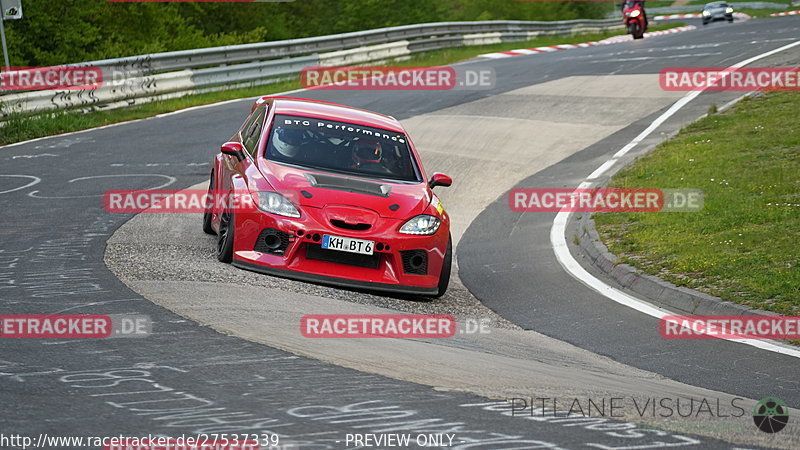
x: 333, y: 111
x: 715, y: 4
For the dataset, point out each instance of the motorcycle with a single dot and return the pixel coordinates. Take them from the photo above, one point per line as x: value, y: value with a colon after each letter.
x: 635, y: 19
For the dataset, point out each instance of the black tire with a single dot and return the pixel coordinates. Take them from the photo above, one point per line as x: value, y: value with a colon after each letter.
x: 635, y: 30
x: 444, y: 277
x: 705, y: 23
x: 730, y: 20
x: 207, y: 212
x: 225, y: 237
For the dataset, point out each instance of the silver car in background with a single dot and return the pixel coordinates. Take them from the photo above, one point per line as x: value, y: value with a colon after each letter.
x: 717, y: 11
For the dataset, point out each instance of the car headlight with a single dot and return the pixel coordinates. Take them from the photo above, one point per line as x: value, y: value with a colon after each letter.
x: 635, y: 13
x: 422, y: 225
x: 275, y: 203
x: 728, y: 10
x: 706, y: 13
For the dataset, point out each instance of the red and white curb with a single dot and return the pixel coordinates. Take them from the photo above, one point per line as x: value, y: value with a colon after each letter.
x: 742, y: 16
x: 787, y: 13
x: 553, y: 48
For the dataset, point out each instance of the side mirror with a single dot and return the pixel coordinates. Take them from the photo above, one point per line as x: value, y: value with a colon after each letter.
x: 234, y: 149
x: 439, y: 179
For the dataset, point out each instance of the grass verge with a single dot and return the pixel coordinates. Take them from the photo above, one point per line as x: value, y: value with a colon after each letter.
x: 20, y: 128
x: 743, y: 246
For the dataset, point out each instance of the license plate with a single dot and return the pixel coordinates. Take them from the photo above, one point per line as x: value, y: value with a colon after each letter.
x: 345, y: 244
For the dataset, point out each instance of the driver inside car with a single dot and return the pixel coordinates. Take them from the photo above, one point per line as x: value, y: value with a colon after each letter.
x: 288, y: 142
x: 368, y: 156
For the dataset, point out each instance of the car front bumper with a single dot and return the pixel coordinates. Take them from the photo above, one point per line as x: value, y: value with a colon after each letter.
x: 718, y: 16
x: 291, y: 248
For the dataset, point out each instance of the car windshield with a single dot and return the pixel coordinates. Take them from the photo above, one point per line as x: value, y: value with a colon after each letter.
x: 341, y: 147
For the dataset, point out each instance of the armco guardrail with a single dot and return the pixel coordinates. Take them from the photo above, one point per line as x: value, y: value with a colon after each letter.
x: 699, y: 8
x: 142, y: 78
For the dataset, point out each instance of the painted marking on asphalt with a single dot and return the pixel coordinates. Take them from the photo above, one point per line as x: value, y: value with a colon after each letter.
x: 66, y: 143
x: 35, y: 181
x: 647, y: 58
x: 32, y: 156
x: 170, y: 180
x: 737, y: 15
x: 558, y: 235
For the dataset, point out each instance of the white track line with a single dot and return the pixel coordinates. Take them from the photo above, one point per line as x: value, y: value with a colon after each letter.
x: 558, y: 233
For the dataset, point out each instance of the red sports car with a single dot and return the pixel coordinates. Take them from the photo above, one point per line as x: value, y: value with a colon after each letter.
x: 335, y: 195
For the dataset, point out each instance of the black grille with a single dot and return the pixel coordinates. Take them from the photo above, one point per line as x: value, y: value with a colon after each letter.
x: 272, y: 241
x: 415, y: 262
x: 315, y: 251
x: 350, y: 226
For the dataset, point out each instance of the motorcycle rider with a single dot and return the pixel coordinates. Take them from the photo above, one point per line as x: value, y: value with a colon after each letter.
x: 630, y: 5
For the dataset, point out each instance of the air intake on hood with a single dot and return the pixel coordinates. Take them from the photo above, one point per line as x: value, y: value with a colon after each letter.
x: 349, y: 185
x: 350, y: 226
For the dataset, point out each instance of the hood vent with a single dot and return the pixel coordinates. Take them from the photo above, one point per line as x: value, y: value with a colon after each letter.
x: 349, y: 185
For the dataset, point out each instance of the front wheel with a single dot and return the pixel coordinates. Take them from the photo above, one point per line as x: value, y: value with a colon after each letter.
x: 444, y: 277
x: 635, y: 30
x: 225, y: 237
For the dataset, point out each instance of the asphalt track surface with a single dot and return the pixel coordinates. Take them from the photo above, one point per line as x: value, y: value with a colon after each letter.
x: 189, y: 379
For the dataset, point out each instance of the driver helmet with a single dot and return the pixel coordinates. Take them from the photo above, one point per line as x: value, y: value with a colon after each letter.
x: 367, y: 151
x: 287, y: 141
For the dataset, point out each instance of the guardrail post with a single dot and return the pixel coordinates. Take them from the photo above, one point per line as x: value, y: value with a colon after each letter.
x: 7, y: 65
